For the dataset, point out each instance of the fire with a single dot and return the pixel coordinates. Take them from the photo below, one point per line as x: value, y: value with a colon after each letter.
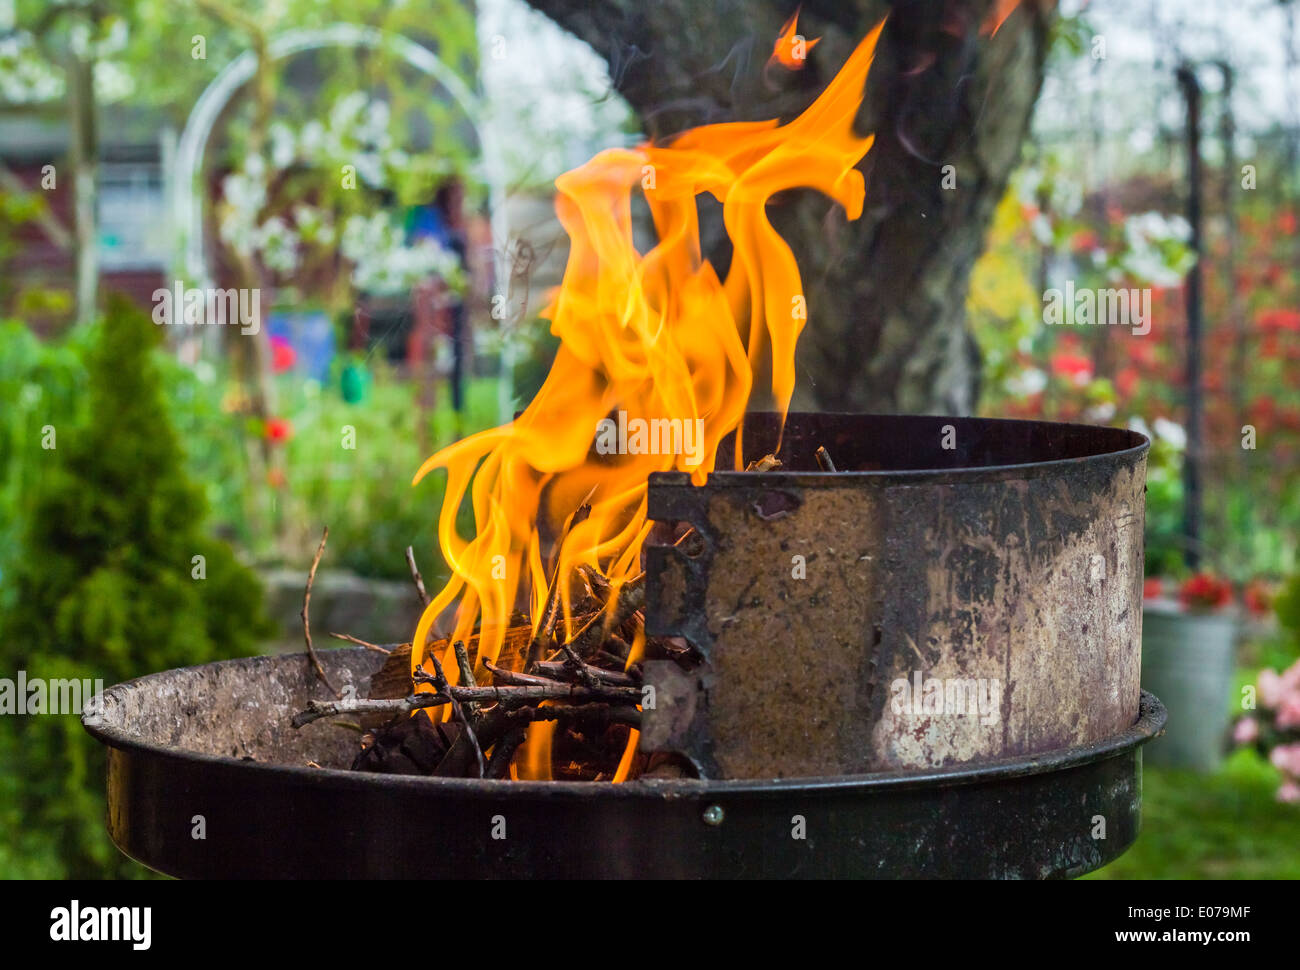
x: 997, y: 16
x: 791, y: 50
x: 656, y: 337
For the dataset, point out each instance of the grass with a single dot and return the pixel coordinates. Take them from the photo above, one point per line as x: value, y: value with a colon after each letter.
x: 1226, y: 825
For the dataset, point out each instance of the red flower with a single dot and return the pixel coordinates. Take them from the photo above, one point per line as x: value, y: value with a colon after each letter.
x: 1272, y: 321
x: 1141, y: 352
x: 1074, y: 366
x: 1153, y: 588
x: 278, y: 429
x: 1084, y: 240
x: 1204, y: 590
x: 1126, y: 381
x: 283, y: 356
x: 1263, y: 412
x: 1257, y: 597
x: 1286, y: 222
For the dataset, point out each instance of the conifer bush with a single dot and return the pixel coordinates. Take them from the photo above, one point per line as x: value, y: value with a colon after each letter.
x: 117, y: 577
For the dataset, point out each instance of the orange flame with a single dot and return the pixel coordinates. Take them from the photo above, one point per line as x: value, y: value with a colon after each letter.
x: 997, y: 16
x: 791, y: 50
x: 653, y: 337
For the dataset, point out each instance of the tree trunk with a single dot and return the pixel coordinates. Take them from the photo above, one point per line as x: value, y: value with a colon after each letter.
x: 886, y: 294
x: 85, y: 183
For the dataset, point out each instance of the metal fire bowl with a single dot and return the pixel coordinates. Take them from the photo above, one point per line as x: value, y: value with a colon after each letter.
x: 215, y: 741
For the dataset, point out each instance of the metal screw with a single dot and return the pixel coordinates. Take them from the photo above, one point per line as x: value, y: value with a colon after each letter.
x: 713, y: 815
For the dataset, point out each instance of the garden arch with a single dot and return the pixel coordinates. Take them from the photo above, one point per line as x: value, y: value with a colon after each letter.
x: 190, y: 150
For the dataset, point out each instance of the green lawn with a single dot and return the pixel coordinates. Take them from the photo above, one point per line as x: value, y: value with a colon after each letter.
x: 1221, y: 826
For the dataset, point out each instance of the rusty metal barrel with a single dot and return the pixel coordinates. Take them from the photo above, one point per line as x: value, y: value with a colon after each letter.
x: 957, y: 591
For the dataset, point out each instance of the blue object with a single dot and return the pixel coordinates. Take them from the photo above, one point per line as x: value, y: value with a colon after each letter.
x: 311, y: 335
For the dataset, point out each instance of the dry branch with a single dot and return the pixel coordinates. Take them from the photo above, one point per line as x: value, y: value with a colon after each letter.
x: 306, y: 614
x: 415, y: 575
x: 440, y: 684
x: 509, y: 696
x: 384, y: 648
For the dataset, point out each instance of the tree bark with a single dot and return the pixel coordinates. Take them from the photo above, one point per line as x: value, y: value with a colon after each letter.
x: 886, y: 294
x: 85, y: 182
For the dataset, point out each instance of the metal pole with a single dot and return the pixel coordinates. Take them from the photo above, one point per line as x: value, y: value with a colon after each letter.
x: 1192, y: 459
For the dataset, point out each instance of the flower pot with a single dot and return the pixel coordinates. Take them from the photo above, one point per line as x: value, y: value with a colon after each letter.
x: 1187, y: 661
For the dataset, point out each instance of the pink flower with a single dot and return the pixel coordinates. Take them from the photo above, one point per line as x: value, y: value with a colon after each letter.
x: 1288, y: 712
x: 1286, y: 758
x: 1291, y: 677
x: 1271, y: 689
x: 1246, y: 731
x: 1289, y: 793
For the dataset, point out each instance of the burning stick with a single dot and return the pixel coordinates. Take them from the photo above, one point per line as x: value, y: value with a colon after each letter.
x: 594, y: 714
x: 553, y: 672
x: 466, y: 673
x: 439, y: 682
x: 824, y: 459
x: 557, y: 670
x: 545, y: 638
x: 306, y: 612
x: 504, y: 753
x: 514, y: 679
x: 631, y: 597
x: 509, y: 696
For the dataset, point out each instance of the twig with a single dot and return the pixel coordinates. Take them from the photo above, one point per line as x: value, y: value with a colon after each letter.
x: 318, y: 709
x: 515, y: 679
x: 509, y: 696
x: 384, y: 648
x: 306, y: 612
x: 562, y: 672
x: 466, y: 668
x: 615, y: 678
x: 440, y: 684
x: 576, y: 664
x: 415, y: 575
x: 466, y: 674
x: 824, y: 459
x: 504, y: 753
x: 765, y: 464
x: 599, y: 713
x: 544, y: 639
x: 631, y: 597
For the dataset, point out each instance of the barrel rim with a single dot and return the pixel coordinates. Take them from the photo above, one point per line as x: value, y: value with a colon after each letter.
x: 1130, y: 447
x: 1150, y: 722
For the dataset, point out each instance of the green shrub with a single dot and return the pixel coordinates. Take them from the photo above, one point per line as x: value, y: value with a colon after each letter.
x: 107, y: 587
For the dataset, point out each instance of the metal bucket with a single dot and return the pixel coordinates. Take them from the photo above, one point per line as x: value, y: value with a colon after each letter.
x: 1187, y: 659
